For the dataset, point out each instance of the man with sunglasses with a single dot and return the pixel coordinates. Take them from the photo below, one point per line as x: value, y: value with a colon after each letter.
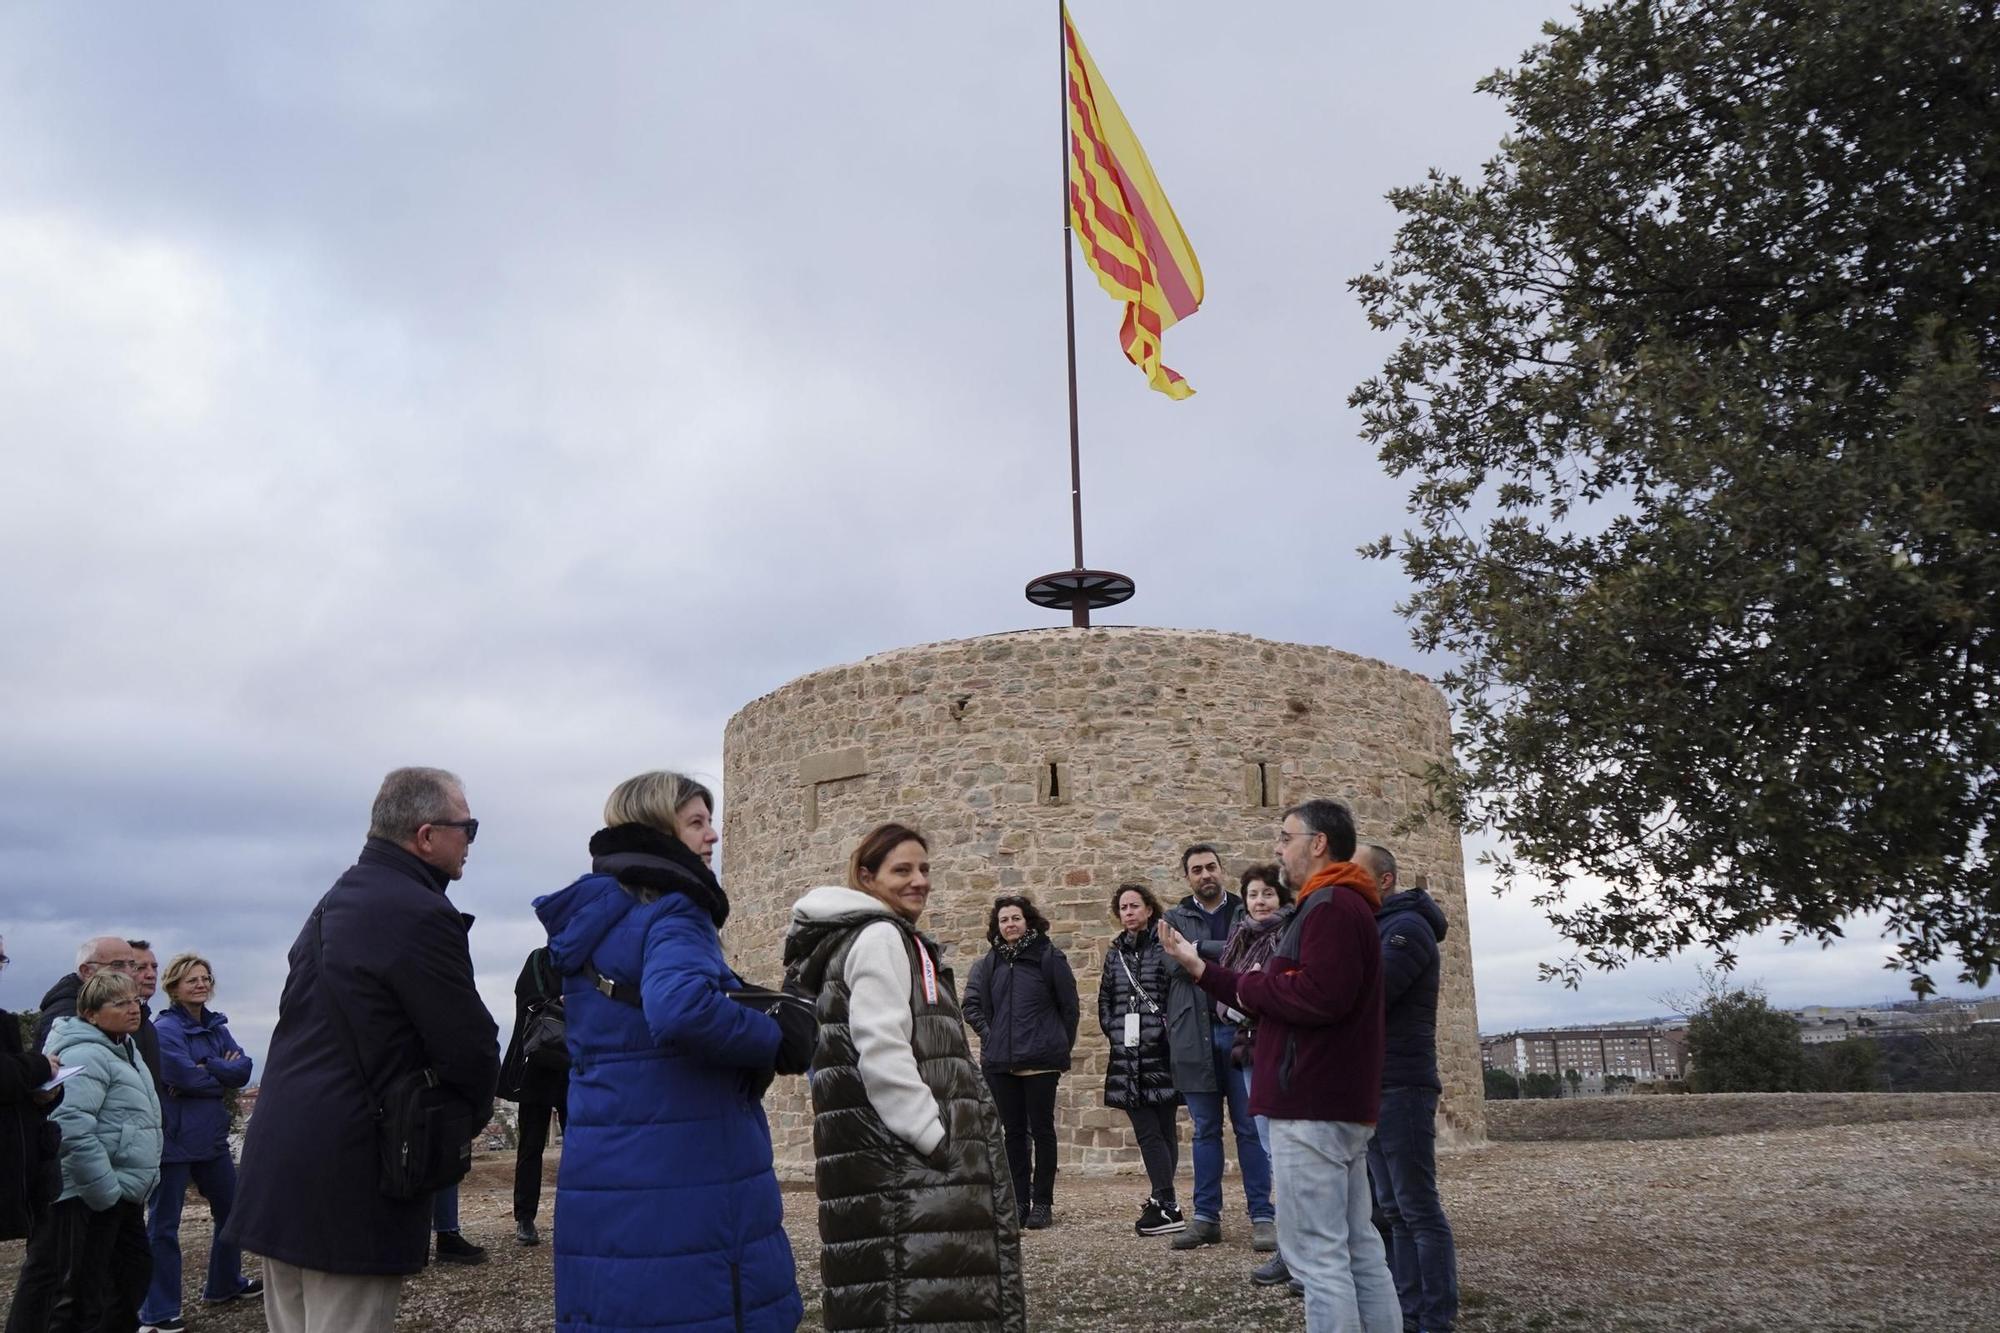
x: 380, y: 987
x: 100, y: 953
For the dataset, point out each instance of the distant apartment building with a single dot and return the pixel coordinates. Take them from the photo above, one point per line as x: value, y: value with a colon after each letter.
x: 1644, y: 1052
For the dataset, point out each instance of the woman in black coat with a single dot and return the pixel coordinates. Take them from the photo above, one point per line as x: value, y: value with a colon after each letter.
x: 30, y: 1177
x: 1021, y: 1000
x: 1139, y: 1076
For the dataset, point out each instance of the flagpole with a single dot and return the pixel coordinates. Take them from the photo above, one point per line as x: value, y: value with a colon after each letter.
x: 1079, y: 607
x: 1079, y: 589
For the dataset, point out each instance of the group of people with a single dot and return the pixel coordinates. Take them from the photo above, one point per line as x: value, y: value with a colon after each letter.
x: 111, y: 1117
x: 1267, y: 1007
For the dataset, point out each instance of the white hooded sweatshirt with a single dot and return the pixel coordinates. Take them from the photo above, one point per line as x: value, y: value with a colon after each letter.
x: 879, y: 1016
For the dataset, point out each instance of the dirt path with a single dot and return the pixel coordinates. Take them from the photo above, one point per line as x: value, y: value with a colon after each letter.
x: 1840, y: 1229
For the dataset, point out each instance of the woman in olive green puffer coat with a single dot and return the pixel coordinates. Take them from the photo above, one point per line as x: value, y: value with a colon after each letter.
x: 918, y: 1222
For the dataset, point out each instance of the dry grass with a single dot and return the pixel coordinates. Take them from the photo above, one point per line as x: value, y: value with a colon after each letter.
x: 1840, y: 1228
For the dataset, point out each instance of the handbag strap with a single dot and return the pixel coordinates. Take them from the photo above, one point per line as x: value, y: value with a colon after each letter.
x: 1141, y: 991
x: 339, y: 1011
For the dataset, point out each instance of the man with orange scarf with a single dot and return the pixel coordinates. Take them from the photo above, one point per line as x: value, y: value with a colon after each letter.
x: 1318, y: 1071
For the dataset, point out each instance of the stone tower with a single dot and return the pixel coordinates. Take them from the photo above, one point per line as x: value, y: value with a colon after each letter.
x: 1061, y: 763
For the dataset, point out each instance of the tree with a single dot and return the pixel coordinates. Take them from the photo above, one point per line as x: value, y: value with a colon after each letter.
x: 1853, y: 1065
x: 1502, y: 1086
x: 1541, y: 1085
x: 1698, y: 388
x: 1575, y: 1081
x: 1737, y: 1042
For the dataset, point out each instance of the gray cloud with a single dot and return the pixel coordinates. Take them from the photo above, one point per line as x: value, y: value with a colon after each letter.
x: 524, y: 390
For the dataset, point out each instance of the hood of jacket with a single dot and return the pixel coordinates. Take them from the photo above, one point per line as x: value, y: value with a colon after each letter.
x: 579, y: 917
x: 65, y: 989
x: 827, y: 910
x: 71, y: 1032
x: 1419, y: 902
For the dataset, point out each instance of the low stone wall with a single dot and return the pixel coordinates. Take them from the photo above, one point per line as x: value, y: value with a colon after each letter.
x: 1711, y: 1115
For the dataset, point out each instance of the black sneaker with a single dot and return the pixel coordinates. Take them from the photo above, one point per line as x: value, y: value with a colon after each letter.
x: 453, y: 1248
x: 175, y: 1324
x: 1157, y: 1219
x: 250, y: 1288
x: 1038, y: 1217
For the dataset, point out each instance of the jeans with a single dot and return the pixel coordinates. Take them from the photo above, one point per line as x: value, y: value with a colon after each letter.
x: 1324, y: 1230
x: 216, y: 1179
x: 444, y: 1209
x: 1206, y: 1108
x: 529, y: 1146
x: 1402, y: 1161
x: 1158, y: 1129
x: 1027, y: 1104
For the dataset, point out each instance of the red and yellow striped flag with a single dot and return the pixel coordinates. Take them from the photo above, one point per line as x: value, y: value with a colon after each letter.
x: 1131, y: 238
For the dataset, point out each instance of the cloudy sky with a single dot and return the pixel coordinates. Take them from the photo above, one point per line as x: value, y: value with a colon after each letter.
x: 525, y: 388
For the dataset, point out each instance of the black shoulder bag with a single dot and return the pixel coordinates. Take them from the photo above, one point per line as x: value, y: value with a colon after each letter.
x: 544, y: 1034
x: 423, y: 1142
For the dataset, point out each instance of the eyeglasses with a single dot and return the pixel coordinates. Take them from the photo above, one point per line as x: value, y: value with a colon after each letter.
x: 1286, y: 837
x: 471, y: 827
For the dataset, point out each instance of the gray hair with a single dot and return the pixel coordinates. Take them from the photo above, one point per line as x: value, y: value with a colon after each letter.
x: 105, y: 987
x: 411, y: 798
x: 654, y: 799
x: 86, y: 952
x: 1331, y: 818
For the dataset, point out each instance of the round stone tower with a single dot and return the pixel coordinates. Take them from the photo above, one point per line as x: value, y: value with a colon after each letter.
x: 1060, y: 763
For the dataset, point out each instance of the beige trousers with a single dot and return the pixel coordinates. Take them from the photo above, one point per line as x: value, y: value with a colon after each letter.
x: 305, y: 1300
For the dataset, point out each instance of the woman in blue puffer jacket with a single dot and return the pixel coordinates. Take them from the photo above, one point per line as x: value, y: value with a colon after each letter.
x: 667, y: 1208
x: 199, y: 1064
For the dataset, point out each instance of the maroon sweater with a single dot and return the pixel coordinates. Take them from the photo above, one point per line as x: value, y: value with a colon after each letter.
x: 1319, y: 1014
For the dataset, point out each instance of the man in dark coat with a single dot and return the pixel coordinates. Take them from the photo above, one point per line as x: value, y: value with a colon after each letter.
x: 146, y: 973
x: 104, y: 951
x: 1402, y: 1159
x: 539, y: 1090
x: 1203, y: 1074
x: 383, y: 956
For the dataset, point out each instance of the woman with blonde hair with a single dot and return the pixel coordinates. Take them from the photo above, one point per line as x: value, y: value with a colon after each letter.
x: 917, y: 1214
x: 200, y: 1064
x: 667, y: 1207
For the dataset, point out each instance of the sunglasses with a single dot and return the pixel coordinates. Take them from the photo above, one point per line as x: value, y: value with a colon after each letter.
x: 471, y: 827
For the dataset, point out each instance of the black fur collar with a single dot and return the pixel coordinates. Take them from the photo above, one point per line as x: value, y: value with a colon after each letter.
x: 646, y: 860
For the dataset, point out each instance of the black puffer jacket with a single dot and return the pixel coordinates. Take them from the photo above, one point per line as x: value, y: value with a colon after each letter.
x: 909, y: 1243
x: 30, y: 1172
x: 1024, y: 1008
x: 1142, y: 1075
x: 529, y: 1084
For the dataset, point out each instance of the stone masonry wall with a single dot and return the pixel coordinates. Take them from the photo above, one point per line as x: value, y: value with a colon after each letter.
x: 1061, y: 763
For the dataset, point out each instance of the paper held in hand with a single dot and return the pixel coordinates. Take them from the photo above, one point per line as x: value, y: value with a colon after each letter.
x: 62, y: 1076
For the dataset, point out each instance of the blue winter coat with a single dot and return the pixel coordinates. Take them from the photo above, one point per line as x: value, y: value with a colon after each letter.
x: 110, y: 1117
x: 1412, y: 926
x: 667, y: 1209
x: 196, y: 1074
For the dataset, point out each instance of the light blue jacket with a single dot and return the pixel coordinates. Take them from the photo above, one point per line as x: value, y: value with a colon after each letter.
x: 109, y: 1116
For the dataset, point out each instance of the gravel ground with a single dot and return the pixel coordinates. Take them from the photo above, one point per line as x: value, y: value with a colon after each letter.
x: 1837, y: 1229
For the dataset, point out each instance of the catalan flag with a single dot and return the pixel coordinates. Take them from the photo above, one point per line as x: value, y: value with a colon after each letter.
x: 1130, y: 236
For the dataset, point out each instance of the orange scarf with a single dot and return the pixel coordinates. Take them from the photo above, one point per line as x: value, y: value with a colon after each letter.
x: 1349, y: 874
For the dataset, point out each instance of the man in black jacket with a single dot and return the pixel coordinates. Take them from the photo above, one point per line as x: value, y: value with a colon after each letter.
x: 380, y: 973
x: 103, y: 951
x: 1402, y: 1159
